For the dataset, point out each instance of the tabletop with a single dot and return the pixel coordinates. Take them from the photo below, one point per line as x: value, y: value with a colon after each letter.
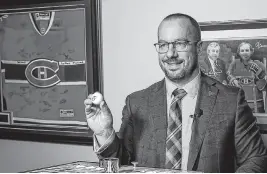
x: 92, y: 167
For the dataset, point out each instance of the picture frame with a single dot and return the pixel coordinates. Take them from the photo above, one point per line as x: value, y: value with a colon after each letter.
x: 230, y: 35
x: 51, y: 59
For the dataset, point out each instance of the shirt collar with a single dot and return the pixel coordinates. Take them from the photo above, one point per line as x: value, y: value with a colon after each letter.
x: 213, y: 61
x: 191, y: 87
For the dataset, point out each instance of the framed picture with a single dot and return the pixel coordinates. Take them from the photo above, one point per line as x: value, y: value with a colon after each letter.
x: 235, y: 53
x: 50, y: 61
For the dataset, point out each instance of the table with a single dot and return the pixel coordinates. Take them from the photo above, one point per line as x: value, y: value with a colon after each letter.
x: 92, y: 167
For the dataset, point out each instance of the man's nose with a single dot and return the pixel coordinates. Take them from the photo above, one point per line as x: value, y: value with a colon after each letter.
x: 172, y: 53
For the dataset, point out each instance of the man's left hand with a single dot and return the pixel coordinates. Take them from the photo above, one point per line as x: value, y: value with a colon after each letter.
x: 257, y: 70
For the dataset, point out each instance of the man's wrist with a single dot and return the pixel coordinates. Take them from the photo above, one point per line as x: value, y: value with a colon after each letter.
x: 104, y: 134
x: 261, y: 75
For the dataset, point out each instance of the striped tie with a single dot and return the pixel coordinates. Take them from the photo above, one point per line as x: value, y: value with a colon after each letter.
x: 174, y: 132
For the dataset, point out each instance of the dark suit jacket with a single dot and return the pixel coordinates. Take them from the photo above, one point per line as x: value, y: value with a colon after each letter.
x: 226, y: 134
x: 220, y: 70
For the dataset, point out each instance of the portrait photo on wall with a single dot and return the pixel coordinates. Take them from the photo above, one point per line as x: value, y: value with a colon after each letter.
x: 237, y: 56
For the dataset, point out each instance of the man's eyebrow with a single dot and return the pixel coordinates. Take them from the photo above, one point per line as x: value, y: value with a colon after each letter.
x: 162, y: 41
x: 181, y: 39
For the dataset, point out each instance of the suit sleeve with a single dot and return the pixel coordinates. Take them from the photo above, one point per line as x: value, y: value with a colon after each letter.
x: 122, y: 145
x: 251, y: 154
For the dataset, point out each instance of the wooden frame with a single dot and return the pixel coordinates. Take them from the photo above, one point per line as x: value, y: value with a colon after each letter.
x: 65, y: 133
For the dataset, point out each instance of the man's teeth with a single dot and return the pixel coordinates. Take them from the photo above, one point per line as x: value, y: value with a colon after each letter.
x: 176, y: 62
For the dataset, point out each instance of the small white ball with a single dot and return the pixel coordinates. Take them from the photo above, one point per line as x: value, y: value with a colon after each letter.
x: 97, y: 98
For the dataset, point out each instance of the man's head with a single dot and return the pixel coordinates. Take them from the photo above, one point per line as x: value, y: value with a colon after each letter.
x: 245, y: 51
x: 213, y: 50
x: 178, y: 46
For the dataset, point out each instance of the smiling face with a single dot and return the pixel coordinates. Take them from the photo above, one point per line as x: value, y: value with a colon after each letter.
x: 178, y: 65
x: 245, y: 52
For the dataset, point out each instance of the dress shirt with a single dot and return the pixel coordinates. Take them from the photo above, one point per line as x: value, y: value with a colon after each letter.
x: 188, y: 104
x: 97, y: 148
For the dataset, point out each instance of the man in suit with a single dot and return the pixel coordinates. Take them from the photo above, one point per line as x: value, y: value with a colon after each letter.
x: 186, y: 121
x: 213, y: 66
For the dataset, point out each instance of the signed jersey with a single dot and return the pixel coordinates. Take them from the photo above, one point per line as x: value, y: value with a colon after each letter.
x: 45, y: 74
x: 246, y: 78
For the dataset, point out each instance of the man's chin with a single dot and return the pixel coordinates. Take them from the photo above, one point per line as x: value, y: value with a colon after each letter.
x: 175, y: 76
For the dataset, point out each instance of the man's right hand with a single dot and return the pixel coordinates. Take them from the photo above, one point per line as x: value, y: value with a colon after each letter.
x: 99, y: 118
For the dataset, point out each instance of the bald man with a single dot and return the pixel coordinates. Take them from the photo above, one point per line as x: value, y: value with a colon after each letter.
x: 186, y: 121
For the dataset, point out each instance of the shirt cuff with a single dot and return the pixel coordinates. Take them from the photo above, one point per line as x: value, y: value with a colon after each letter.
x: 100, y: 148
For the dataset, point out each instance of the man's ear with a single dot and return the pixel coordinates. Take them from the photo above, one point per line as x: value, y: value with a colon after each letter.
x: 199, y: 47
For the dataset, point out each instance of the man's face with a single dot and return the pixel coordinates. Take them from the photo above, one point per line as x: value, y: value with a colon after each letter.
x: 245, y: 52
x: 213, y: 52
x: 178, y: 65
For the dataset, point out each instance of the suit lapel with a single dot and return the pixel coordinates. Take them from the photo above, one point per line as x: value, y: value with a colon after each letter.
x: 158, y: 116
x: 206, y: 101
x: 209, y: 70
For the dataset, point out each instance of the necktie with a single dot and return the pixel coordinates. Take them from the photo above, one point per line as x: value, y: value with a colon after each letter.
x: 174, y: 132
x: 215, y: 66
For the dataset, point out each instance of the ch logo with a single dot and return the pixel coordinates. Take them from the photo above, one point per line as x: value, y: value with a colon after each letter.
x: 42, y: 73
x: 245, y: 80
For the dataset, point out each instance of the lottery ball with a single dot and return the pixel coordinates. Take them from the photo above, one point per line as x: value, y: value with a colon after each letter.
x: 97, y: 98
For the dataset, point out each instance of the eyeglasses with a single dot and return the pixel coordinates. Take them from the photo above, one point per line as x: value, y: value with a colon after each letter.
x: 180, y: 46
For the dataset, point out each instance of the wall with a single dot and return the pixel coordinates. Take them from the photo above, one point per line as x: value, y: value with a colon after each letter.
x: 130, y: 64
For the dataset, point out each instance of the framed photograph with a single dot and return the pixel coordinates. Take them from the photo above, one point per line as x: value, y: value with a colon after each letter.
x: 50, y: 61
x: 235, y: 53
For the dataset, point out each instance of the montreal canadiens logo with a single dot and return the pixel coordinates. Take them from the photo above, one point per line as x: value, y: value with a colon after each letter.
x: 42, y: 73
x: 246, y: 80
